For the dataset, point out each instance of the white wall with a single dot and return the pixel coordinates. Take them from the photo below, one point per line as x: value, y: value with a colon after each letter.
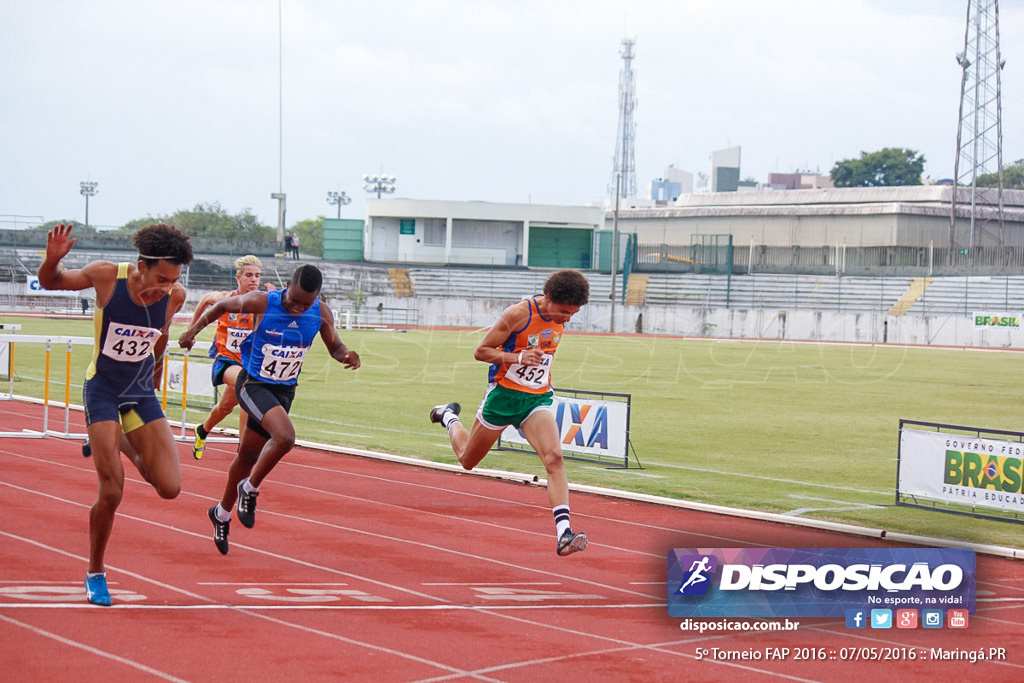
x: 944, y: 330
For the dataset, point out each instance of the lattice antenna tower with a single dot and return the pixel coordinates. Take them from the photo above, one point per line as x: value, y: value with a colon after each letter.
x: 624, y: 171
x: 979, y: 133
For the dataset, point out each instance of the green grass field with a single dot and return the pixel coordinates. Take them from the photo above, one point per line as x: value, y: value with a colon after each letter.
x: 805, y: 429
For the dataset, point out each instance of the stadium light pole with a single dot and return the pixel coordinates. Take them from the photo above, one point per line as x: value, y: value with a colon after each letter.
x: 87, y: 188
x: 338, y: 198
x: 379, y: 184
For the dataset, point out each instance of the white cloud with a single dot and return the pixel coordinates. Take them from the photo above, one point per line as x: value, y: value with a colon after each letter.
x: 170, y: 104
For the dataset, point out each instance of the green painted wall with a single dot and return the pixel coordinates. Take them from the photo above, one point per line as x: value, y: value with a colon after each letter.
x: 343, y: 239
x: 560, y: 248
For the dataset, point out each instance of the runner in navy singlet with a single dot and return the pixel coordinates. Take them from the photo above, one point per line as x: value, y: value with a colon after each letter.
x: 135, y: 304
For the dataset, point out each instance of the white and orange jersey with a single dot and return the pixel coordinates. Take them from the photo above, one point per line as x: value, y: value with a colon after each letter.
x: 232, y: 329
x: 538, y: 332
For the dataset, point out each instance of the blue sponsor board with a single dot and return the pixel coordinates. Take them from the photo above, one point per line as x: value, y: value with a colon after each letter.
x: 817, y: 582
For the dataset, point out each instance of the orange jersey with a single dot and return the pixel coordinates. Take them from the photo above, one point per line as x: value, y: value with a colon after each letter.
x: 232, y: 329
x: 538, y: 332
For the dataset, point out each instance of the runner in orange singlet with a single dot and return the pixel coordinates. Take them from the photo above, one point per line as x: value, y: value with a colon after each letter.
x: 232, y: 329
x: 520, y: 347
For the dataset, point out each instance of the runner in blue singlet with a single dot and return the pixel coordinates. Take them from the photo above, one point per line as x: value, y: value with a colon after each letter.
x: 285, y: 324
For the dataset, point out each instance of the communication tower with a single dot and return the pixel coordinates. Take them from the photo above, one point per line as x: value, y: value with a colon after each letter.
x: 624, y: 171
x: 979, y: 133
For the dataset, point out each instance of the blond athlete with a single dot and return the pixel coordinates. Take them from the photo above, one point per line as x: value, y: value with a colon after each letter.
x: 232, y: 329
x: 520, y: 348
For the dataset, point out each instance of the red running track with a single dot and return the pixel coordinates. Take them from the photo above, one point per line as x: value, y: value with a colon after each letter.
x: 366, y: 569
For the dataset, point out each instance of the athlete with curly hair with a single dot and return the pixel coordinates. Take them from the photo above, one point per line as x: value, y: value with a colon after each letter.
x: 135, y: 304
x: 520, y: 348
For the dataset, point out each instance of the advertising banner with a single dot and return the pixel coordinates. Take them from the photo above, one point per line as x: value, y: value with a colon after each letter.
x: 818, y: 582
x: 997, y: 320
x: 590, y: 424
x: 978, y: 471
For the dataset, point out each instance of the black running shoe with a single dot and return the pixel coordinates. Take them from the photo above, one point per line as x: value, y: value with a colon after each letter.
x: 571, y: 543
x: 86, y: 449
x: 220, y: 532
x: 246, y: 507
x: 437, y: 412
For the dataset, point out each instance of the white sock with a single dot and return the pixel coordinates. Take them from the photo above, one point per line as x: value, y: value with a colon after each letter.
x: 448, y: 419
x: 92, y: 575
x: 561, y: 513
x: 248, y: 487
x: 221, y: 514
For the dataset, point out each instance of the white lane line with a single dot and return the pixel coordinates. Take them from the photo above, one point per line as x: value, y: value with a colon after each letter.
x: 315, y: 522
x: 246, y: 611
x: 712, y: 538
x: 621, y: 646
x: 92, y: 650
x: 502, y: 583
x: 460, y: 553
x: 285, y: 558
x: 328, y: 608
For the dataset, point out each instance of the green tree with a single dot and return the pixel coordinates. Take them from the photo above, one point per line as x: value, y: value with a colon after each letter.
x: 885, y: 168
x: 311, y: 236
x: 1013, y: 177
x: 78, y: 228
x: 212, y: 221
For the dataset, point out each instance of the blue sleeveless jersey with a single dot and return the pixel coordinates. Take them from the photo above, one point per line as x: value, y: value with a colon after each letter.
x: 276, y: 349
x: 125, y: 334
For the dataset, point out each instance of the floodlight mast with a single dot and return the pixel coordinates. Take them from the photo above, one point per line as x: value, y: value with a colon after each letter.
x: 338, y: 198
x: 381, y: 184
x: 87, y: 188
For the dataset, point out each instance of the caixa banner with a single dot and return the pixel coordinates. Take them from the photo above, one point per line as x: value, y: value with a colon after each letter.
x: 816, y: 582
x: 592, y: 425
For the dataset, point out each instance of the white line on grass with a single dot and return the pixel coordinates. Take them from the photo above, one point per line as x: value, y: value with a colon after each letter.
x: 777, y: 480
x: 841, y: 505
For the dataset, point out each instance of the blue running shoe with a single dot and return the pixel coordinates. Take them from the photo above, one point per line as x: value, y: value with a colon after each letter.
x: 96, y: 590
x: 86, y: 448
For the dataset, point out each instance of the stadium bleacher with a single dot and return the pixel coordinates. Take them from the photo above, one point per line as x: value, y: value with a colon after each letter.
x: 953, y: 295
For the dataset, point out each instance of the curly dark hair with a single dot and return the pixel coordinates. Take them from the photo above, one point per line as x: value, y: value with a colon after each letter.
x: 166, y: 242
x: 567, y: 287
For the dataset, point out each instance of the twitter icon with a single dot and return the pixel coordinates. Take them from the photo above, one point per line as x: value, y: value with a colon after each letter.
x: 881, y: 618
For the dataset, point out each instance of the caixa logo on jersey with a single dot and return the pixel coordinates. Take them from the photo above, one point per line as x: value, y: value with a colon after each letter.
x: 816, y: 582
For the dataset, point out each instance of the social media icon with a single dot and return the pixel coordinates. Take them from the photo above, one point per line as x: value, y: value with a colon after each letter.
x: 881, y: 618
x: 957, y: 618
x: 906, y: 618
x: 856, y: 618
x: 931, y: 618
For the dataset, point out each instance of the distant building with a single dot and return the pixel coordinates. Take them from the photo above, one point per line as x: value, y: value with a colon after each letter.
x: 916, y: 215
x: 673, y: 185
x: 799, y: 181
x: 724, y: 175
x: 481, y: 233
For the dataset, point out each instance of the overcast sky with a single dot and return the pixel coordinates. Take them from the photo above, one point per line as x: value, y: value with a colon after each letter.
x: 167, y: 104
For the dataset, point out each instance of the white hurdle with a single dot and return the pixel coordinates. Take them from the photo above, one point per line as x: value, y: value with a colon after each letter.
x: 8, y: 344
